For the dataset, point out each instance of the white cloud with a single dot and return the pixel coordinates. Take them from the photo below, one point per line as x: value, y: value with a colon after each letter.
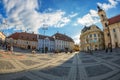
x: 111, y: 4
x: 89, y: 19
x: 22, y: 15
x: 76, y: 38
x: 73, y: 15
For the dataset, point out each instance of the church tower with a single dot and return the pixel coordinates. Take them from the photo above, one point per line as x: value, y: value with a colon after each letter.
x: 104, y: 21
x: 103, y: 17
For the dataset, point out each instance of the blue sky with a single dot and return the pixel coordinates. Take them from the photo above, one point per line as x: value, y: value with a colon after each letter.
x: 63, y: 16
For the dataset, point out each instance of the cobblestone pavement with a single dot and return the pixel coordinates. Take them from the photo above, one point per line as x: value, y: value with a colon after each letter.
x: 75, y: 66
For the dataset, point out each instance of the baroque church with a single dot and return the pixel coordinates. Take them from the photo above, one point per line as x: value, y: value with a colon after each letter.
x: 111, y: 29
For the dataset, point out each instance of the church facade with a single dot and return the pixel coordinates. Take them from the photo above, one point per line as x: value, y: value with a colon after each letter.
x: 111, y: 29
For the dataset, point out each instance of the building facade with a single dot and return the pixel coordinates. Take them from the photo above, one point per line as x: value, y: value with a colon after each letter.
x: 46, y: 43
x: 111, y: 29
x: 63, y: 42
x: 23, y: 40
x: 91, y: 38
x: 2, y: 38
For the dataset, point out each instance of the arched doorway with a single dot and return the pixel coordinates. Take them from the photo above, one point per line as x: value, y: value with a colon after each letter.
x: 28, y: 47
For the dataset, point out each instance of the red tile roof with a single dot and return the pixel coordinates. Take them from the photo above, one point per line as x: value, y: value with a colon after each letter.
x: 62, y: 37
x: 43, y: 37
x: 24, y: 36
x: 14, y: 36
x: 114, y: 19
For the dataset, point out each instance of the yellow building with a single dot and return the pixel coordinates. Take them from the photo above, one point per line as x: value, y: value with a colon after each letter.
x: 2, y: 37
x: 23, y: 40
x: 111, y: 29
x: 91, y: 38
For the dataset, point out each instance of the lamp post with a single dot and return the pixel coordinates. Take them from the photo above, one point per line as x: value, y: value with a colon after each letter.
x: 44, y: 29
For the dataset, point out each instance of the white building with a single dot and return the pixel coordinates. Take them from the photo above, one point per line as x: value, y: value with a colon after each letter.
x: 45, y: 43
x: 58, y: 42
x: 63, y: 42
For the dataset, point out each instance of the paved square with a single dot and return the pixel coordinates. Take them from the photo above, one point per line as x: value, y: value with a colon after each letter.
x: 76, y: 66
x: 57, y: 71
x: 6, y: 65
x: 97, y: 70
x: 28, y: 62
x: 22, y: 78
x: 88, y: 61
x: 117, y: 62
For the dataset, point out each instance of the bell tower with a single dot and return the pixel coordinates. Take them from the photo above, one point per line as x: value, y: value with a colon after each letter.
x: 105, y: 24
x: 103, y: 17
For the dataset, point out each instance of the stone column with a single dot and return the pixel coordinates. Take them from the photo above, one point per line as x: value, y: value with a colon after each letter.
x: 112, y: 38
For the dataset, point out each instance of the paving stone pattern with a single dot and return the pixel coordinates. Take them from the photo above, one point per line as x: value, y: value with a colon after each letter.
x: 6, y: 65
x: 107, y: 58
x: 22, y: 78
x: 117, y: 62
x: 1, y: 55
x: 57, y: 71
x: 89, y: 61
x: 44, y: 59
x: 97, y: 70
x: 28, y: 62
x: 68, y: 61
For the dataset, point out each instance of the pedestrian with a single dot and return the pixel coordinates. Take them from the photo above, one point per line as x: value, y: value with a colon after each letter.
x: 6, y: 46
x: 106, y: 50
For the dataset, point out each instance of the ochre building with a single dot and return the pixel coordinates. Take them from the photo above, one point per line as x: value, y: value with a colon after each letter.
x: 2, y: 37
x: 23, y: 40
x: 91, y: 38
x: 111, y: 29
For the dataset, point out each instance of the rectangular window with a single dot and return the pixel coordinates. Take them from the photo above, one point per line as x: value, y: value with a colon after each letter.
x: 98, y: 35
x: 94, y: 35
x: 90, y: 35
x: 114, y: 30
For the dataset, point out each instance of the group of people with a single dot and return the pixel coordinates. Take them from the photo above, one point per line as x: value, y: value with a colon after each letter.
x: 7, y: 47
x: 109, y: 48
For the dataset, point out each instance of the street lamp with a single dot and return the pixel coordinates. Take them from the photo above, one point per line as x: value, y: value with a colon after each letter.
x: 44, y: 29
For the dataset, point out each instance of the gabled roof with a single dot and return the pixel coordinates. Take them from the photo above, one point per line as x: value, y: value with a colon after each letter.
x: 113, y: 20
x: 14, y: 36
x: 43, y: 37
x: 63, y: 37
x: 24, y: 36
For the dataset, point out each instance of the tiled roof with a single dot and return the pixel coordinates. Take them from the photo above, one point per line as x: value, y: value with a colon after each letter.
x: 62, y: 37
x: 114, y: 19
x: 24, y: 36
x: 14, y: 36
x: 43, y: 37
